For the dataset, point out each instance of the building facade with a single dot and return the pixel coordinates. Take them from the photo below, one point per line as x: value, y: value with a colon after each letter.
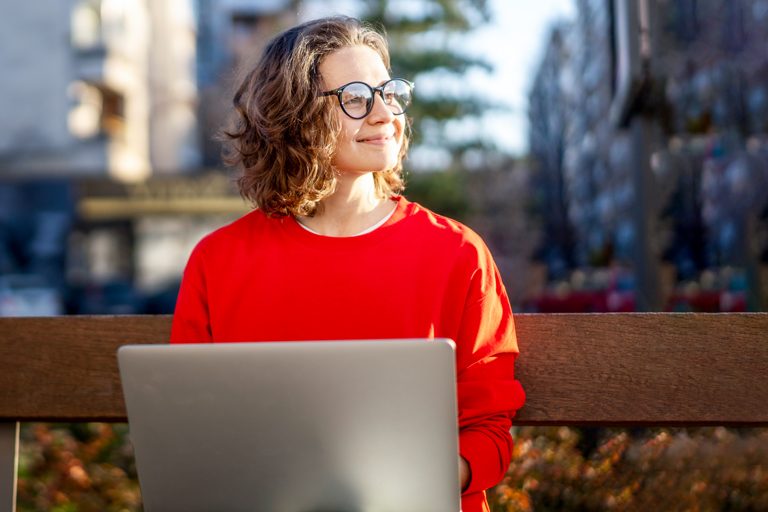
x: 98, y: 88
x: 710, y: 140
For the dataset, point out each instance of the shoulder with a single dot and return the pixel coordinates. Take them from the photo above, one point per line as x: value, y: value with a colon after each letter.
x: 451, y: 240
x: 237, y: 232
x: 235, y: 240
x: 447, y: 234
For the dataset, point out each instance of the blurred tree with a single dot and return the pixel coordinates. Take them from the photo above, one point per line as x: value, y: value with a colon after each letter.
x: 421, y: 36
x: 442, y: 192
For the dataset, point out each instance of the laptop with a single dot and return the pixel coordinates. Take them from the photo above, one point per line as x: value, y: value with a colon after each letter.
x: 322, y: 426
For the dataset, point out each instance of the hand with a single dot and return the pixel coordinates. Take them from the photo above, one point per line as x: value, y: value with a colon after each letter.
x: 464, y: 473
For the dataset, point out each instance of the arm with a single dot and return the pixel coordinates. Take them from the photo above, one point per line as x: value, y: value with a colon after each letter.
x: 488, y: 394
x: 464, y: 473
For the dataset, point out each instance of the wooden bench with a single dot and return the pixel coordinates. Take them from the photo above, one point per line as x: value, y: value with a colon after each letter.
x: 642, y: 369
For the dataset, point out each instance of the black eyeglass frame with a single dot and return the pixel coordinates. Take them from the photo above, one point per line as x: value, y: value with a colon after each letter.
x: 337, y: 92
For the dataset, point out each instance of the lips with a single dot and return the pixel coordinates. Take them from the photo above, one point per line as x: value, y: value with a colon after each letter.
x: 379, y: 138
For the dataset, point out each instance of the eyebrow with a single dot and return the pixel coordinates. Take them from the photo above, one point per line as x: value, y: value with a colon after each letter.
x: 364, y: 82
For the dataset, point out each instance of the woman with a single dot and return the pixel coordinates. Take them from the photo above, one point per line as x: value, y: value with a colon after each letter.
x: 332, y: 252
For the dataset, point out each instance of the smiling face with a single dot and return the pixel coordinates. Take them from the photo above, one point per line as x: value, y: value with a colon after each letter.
x: 373, y: 143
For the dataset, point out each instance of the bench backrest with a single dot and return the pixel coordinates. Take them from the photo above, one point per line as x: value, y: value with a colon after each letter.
x: 592, y: 369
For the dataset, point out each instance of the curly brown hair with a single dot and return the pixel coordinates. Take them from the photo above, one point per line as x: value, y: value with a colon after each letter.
x: 285, y: 133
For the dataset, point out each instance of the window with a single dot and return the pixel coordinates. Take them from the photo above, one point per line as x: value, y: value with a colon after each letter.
x: 685, y: 22
x: 247, y: 33
x: 98, y: 110
x: 733, y: 33
x: 112, y: 19
x: 86, y: 26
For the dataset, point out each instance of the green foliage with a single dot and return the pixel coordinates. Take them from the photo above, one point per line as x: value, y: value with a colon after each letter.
x: 410, y: 63
x: 442, y: 192
x: 435, y: 21
x: 446, y: 14
x: 440, y: 109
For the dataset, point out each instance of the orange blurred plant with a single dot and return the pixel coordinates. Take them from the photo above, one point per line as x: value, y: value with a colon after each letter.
x: 81, y: 467
x: 90, y: 467
x: 695, y: 469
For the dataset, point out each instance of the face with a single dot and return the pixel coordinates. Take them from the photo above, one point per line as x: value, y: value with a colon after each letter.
x: 372, y: 143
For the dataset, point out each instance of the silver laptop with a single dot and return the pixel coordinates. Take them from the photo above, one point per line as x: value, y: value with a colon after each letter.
x: 339, y: 426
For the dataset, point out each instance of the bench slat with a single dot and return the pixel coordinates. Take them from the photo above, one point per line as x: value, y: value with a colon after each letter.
x: 652, y: 369
x: 644, y: 369
x: 9, y: 464
x: 64, y: 369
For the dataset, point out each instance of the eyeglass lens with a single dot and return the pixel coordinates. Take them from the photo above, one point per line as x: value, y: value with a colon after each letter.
x: 357, y: 98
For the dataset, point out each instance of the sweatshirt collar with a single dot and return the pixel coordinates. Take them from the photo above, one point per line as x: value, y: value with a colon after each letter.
x: 352, y: 243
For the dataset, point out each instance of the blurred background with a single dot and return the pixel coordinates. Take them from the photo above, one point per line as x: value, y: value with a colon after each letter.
x: 612, y: 154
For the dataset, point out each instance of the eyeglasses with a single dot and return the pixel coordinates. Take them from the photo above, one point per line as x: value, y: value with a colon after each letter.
x: 356, y: 98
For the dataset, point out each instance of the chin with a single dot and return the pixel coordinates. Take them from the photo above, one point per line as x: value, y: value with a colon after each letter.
x: 367, y: 160
x: 386, y: 167
x: 369, y: 167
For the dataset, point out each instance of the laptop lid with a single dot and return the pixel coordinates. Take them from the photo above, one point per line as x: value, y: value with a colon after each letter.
x: 339, y: 426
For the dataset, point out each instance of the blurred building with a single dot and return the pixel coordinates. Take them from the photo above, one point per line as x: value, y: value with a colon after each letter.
x: 710, y: 165
x: 582, y: 182
x: 98, y: 88
x: 103, y: 133
x: 231, y: 36
x: 548, y: 120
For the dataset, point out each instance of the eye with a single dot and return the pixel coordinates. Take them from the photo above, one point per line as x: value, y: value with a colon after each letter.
x: 353, y: 99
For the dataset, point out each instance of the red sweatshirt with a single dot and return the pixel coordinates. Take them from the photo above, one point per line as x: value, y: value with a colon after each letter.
x: 419, y: 275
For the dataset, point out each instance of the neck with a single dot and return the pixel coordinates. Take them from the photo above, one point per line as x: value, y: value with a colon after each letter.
x: 352, y: 208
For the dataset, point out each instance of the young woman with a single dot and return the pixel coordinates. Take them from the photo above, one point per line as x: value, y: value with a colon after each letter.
x: 333, y: 252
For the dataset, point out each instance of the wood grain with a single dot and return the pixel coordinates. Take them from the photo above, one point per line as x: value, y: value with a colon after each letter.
x: 9, y: 464
x: 65, y: 368
x: 644, y: 369
x: 652, y: 369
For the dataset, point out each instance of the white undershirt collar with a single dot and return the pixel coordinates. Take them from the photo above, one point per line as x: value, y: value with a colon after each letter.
x: 377, y: 225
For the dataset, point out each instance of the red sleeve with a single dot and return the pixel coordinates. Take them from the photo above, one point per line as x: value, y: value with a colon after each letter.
x: 191, y: 321
x: 488, y: 394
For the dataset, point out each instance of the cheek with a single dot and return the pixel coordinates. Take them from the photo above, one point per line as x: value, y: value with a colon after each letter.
x: 345, y: 145
x: 348, y: 131
x: 399, y: 131
x: 344, y: 136
x: 400, y: 127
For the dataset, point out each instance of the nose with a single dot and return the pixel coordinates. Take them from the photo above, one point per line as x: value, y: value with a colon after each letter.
x: 380, y: 112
